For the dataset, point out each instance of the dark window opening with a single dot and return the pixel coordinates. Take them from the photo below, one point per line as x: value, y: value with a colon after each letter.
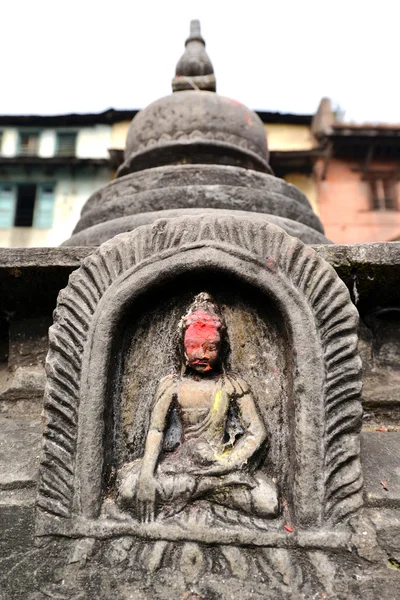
x: 66, y: 143
x: 26, y: 196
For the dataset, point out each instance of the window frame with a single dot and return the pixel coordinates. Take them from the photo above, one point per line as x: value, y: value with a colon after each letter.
x: 62, y: 132
x: 383, y: 192
x: 39, y: 214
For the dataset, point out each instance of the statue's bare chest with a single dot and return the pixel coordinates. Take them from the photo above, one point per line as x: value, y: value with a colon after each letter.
x: 197, y: 394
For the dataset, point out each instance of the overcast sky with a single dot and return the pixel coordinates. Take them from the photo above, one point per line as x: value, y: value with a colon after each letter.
x: 86, y: 56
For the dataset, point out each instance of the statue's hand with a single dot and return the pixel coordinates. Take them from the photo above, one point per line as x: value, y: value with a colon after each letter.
x: 146, y: 498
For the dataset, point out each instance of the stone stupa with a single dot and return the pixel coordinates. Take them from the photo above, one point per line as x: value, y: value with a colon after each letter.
x: 203, y: 432
x: 191, y: 153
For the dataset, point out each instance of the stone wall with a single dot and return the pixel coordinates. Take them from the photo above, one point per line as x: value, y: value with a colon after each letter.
x: 29, y: 283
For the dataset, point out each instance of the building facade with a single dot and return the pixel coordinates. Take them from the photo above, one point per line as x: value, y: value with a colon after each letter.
x: 49, y: 165
x: 357, y: 179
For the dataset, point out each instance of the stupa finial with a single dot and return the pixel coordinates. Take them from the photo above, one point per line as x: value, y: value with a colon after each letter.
x: 194, y: 70
x: 195, y: 32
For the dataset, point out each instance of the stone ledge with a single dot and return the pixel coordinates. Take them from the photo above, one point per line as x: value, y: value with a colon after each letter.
x: 373, y: 253
x: 371, y: 271
x: 338, y: 255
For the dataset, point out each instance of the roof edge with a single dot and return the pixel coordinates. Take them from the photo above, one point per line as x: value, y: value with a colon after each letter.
x: 113, y: 115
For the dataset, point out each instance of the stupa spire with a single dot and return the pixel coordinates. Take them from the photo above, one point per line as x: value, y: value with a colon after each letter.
x: 194, y: 69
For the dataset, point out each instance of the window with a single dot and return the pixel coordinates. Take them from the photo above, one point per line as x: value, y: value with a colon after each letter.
x: 26, y: 205
x: 1, y: 140
x: 28, y: 143
x: 383, y: 191
x: 66, y: 143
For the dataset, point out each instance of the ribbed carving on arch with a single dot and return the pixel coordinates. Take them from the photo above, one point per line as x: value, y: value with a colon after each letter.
x: 335, y: 317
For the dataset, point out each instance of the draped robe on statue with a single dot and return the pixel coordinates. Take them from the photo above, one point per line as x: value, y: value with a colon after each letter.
x: 196, y: 439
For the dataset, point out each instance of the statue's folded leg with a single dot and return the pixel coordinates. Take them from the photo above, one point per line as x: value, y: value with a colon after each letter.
x: 174, y: 491
x: 258, y: 496
x: 252, y: 494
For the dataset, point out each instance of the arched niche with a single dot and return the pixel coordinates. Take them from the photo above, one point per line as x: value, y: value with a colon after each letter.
x: 322, y: 382
x: 148, y: 348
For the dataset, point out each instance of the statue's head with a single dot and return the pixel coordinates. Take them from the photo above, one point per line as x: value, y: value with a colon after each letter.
x: 203, y: 330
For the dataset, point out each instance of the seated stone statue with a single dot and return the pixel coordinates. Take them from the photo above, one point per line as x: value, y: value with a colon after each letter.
x: 205, y: 433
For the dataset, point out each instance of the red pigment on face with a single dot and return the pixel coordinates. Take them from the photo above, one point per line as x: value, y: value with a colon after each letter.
x: 202, y: 326
x: 202, y: 339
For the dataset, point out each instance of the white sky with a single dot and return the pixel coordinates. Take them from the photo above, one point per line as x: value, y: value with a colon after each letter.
x: 86, y: 56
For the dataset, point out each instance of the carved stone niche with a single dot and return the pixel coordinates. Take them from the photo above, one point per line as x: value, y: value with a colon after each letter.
x: 289, y: 374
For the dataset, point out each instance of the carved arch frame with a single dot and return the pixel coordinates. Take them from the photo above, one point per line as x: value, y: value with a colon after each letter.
x: 327, y: 483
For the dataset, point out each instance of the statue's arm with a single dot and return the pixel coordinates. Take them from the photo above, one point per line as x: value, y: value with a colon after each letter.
x: 147, y: 484
x: 254, y: 433
x: 158, y: 421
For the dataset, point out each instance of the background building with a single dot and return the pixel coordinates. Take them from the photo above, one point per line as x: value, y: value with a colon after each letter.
x: 49, y: 165
x: 357, y: 180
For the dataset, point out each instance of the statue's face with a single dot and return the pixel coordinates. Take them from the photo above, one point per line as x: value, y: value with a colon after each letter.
x: 202, y: 343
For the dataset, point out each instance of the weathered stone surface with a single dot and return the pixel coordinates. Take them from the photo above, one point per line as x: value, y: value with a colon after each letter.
x: 381, y: 466
x: 371, y: 271
x: 190, y: 118
x: 387, y: 525
x: 20, y: 447
x: 374, y: 257
x: 113, y: 567
x: 221, y: 196
x: 199, y: 446
x: 98, y: 234
x: 183, y: 176
x: 39, y: 274
x: 197, y: 187
x: 195, y: 244
x: 24, y: 384
x: 17, y: 261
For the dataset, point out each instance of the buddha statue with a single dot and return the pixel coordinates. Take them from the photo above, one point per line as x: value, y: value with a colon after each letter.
x: 206, y: 436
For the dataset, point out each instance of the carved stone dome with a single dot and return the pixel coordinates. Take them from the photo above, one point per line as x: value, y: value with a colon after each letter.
x: 196, y: 127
